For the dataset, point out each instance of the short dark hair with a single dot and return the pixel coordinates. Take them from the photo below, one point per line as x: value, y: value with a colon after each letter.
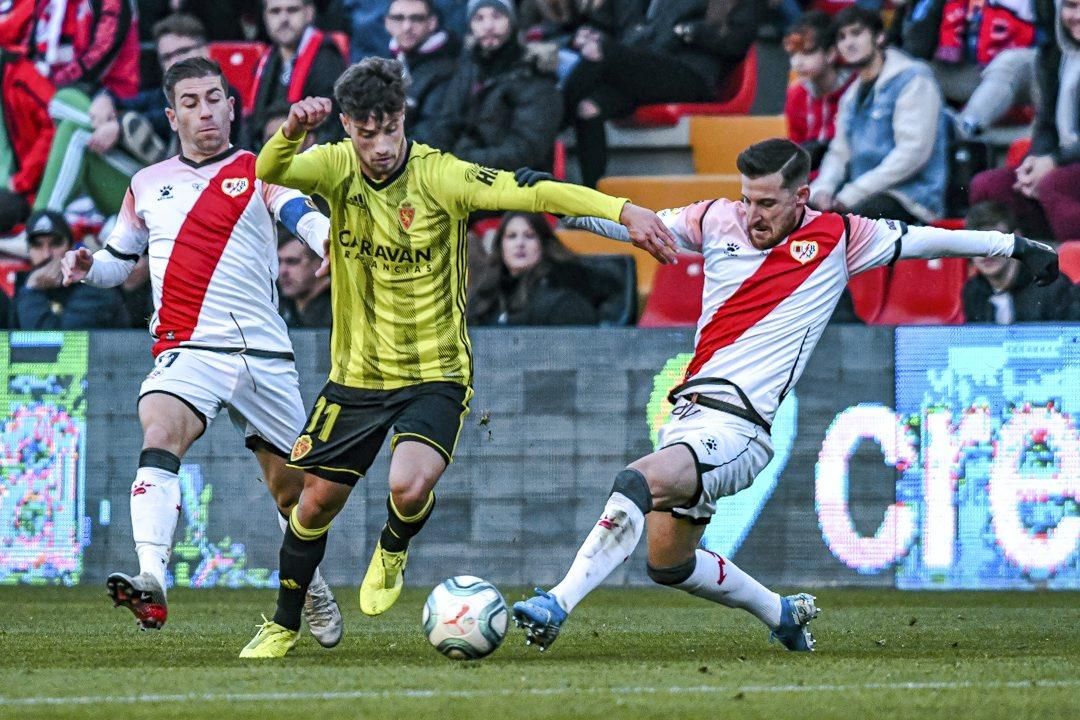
x: 180, y: 24
x: 776, y: 155
x: 813, y: 32
x: 987, y: 215
x: 429, y: 4
x: 195, y: 67
x: 372, y: 88
x: 855, y: 15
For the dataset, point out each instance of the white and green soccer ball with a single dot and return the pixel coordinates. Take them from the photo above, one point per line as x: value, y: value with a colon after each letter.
x: 465, y: 618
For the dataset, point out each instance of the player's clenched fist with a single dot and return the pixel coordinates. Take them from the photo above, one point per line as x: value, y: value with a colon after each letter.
x: 75, y: 265
x: 305, y: 116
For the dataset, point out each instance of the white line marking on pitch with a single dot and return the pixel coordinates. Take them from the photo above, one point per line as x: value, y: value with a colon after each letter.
x: 537, y: 692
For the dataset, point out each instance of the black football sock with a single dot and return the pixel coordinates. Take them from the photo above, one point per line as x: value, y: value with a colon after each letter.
x: 399, y: 529
x: 301, y: 552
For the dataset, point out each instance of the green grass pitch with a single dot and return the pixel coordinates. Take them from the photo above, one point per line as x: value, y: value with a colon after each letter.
x: 65, y: 653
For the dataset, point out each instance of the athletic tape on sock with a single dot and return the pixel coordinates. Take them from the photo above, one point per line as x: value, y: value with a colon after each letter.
x: 672, y: 575
x: 635, y: 487
x: 161, y: 459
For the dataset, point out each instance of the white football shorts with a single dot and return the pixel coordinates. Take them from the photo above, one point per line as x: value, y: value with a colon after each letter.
x: 261, y: 394
x: 729, y: 452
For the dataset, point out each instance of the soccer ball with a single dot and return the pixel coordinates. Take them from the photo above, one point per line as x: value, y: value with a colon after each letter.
x: 465, y: 618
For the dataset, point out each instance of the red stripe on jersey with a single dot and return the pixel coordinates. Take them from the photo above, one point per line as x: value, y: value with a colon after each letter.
x: 198, y: 249
x: 782, y: 272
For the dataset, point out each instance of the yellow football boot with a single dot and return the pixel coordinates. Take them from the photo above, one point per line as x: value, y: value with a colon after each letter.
x: 383, y: 581
x: 272, y: 641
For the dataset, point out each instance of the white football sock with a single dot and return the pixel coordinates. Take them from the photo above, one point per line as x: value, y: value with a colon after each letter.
x: 317, y: 578
x: 718, y: 579
x: 155, y: 508
x: 607, y: 546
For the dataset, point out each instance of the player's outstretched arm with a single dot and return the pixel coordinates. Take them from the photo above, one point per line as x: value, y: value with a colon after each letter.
x: 104, y: 268
x: 881, y: 242
x: 278, y: 161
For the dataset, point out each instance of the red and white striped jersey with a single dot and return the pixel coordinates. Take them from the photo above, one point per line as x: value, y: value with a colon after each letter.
x: 209, y: 231
x: 763, y: 311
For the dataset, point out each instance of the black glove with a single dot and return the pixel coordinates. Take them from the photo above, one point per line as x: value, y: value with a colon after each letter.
x: 1040, y: 259
x: 527, y: 177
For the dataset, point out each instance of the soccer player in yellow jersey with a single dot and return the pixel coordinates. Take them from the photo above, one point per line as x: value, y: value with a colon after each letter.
x: 400, y: 354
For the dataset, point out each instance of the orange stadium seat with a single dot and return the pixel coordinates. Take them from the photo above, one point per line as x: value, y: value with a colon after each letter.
x: 925, y: 292
x: 1069, y: 259
x: 657, y: 192
x: 675, y: 300
x: 239, y: 61
x: 717, y: 141
x: 734, y: 98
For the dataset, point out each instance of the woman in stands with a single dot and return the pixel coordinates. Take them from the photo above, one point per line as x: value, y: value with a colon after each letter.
x: 531, y: 278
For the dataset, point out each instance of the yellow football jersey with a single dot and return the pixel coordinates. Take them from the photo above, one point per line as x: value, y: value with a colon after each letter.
x: 398, y: 253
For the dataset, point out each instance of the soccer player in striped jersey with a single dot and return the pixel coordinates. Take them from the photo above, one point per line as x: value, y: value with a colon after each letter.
x: 207, y: 224
x: 400, y: 354
x: 774, y: 271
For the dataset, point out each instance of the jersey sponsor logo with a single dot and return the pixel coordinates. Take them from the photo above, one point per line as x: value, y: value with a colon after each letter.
x: 390, y: 253
x: 804, y: 250
x: 479, y: 173
x: 198, y: 186
x: 234, y: 187
x: 406, y: 213
x: 300, y: 448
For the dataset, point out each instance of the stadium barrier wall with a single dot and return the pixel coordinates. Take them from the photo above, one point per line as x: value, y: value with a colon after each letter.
x: 916, y: 458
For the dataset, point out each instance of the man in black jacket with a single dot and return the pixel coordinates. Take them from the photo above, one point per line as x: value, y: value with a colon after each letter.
x: 429, y: 55
x: 1003, y: 292
x: 677, y: 51
x: 42, y: 302
x: 302, y: 62
x: 499, y: 111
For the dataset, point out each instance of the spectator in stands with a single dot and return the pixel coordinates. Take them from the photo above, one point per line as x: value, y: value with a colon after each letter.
x: 1044, y: 191
x: 5, y: 311
x: 499, y: 111
x: 370, y: 36
x: 961, y: 37
x: 1002, y: 291
x: 305, y: 299
x: 87, y: 45
x: 26, y: 133
x: 303, y: 61
x: 552, y: 28
x: 813, y: 99
x: 41, y: 300
x: 888, y: 157
x: 228, y: 20
x: 429, y: 55
x: 99, y: 148
x: 677, y: 51
x: 530, y: 278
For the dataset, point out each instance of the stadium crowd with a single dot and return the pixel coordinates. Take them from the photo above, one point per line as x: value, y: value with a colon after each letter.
x: 901, y: 105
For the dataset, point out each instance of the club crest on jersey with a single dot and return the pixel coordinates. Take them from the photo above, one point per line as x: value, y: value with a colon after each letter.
x: 804, y: 250
x: 406, y: 213
x: 300, y: 448
x: 234, y: 187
